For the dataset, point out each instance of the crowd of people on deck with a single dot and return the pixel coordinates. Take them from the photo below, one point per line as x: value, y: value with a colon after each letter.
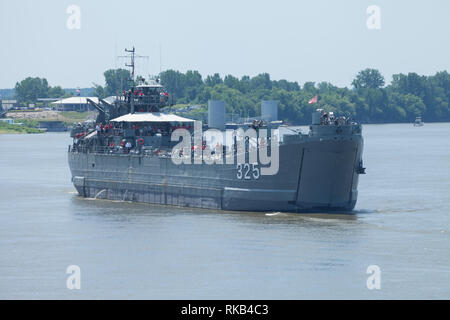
x: 328, y: 118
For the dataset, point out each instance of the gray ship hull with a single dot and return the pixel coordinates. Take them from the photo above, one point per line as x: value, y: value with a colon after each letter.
x: 316, y: 174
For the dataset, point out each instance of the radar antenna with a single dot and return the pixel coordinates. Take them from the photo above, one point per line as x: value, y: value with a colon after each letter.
x: 132, y: 56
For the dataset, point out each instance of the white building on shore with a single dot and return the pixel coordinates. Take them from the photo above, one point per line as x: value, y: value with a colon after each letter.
x: 74, y: 104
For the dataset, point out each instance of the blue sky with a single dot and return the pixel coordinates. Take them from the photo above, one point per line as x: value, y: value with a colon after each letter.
x: 294, y: 40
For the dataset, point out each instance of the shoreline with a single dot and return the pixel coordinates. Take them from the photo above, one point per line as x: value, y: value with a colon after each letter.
x: 19, y: 132
x: 31, y: 130
x: 6, y: 128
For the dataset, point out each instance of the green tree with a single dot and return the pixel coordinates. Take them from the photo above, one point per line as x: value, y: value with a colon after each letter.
x: 261, y: 81
x: 194, y: 84
x: 438, y: 99
x: 310, y: 87
x: 368, y: 78
x: 370, y: 101
x: 99, y: 91
x: 30, y: 89
x: 231, y: 82
x: 174, y: 82
x: 286, y: 85
x: 193, y: 79
x: 213, y: 80
x: 405, y: 107
x: 56, y: 92
x: 116, y: 80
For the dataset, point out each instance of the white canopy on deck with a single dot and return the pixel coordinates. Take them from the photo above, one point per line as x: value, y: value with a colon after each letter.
x: 75, y: 100
x: 151, y: 117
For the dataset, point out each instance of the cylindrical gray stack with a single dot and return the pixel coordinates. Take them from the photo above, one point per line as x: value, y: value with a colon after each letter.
x: 269, y: 110
x: 317, y: 116
x: 216, y: 114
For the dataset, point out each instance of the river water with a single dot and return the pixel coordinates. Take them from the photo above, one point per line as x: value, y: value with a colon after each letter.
x: 125, y: 250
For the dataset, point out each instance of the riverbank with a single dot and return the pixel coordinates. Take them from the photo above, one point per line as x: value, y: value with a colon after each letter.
x: 34, y: 121
x: 6, y: 128
x: 68, y: 117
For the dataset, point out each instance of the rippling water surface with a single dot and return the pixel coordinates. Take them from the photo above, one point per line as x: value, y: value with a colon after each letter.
x: 126, y: 250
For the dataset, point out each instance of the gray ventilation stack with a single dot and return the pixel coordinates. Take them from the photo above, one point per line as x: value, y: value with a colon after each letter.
x: 216, y: 114
x: 269, y: 110
x: 317, y: 117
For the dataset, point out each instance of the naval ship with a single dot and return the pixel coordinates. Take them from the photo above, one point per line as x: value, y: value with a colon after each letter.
x: 129, y: 153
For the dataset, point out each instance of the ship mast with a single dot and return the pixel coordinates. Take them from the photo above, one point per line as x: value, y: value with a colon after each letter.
x: 132, y: 51
x: 132, y: 55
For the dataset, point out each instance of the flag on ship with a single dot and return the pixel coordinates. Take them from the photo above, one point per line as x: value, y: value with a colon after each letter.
x: 313, y: 100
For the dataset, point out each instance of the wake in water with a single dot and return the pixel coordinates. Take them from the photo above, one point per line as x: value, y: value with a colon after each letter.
x: 317, y: 217
x: 273, y: 214
x: 365, y: 211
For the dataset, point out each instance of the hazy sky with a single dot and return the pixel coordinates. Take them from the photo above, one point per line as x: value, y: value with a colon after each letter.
x: 314, y: 40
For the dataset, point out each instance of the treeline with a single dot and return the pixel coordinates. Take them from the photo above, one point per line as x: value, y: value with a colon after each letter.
x: 368, y: 101
x: 31, y: 89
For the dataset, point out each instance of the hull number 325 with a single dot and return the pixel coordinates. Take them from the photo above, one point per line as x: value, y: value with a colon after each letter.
x: 247, y: 171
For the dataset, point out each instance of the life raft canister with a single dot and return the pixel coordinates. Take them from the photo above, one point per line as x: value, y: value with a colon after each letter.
x: 140, y: 141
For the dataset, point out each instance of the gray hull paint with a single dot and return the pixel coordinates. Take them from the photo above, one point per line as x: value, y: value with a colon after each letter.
x: 315, y: 174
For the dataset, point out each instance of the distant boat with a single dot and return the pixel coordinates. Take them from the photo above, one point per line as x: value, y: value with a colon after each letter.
x: 418, y: 122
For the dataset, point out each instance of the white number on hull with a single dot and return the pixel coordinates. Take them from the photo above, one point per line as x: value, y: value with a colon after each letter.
x: 255, y: 170
x: 239, y: 171
x: 247, y: 171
